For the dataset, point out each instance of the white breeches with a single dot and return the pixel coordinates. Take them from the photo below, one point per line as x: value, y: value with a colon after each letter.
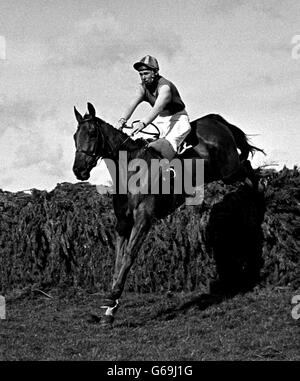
x: 174, y: 128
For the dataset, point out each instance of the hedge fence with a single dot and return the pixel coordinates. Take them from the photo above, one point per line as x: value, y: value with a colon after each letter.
x: 66, y: 237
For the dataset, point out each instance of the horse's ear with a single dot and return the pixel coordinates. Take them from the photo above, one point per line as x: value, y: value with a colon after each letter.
x: 78, y: 115
x: 91, y: 110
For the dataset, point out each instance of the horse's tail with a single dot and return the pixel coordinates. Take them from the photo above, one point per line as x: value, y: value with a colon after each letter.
x: 241, y: 139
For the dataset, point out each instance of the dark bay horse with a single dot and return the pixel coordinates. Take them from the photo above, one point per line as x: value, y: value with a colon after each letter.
x: 135, y: 212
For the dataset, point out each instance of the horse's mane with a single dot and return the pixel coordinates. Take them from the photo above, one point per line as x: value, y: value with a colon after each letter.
x: 138, y: 142
x: 135, y: 147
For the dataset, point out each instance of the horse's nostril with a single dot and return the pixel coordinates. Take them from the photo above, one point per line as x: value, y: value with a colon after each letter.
x: 81, y: 175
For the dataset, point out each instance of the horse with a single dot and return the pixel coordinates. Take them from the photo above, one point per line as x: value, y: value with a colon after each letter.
x: 219, y: 143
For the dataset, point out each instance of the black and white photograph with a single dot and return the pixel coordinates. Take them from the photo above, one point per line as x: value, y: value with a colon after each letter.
x: 149, y: 184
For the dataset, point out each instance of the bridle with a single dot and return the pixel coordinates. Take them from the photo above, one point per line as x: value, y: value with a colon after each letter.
x: 92, y: 154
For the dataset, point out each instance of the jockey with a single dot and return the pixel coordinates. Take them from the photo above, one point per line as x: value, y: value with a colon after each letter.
x: 168, y: 110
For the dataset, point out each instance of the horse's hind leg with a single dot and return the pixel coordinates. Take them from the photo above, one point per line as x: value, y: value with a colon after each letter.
x: 248, y: 175
x: 244, y: 173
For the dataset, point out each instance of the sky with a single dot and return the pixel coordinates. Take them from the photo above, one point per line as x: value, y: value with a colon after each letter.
x: 236, y: 58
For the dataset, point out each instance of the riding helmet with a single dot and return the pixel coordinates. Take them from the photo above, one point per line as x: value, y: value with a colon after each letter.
x: 148, y: 61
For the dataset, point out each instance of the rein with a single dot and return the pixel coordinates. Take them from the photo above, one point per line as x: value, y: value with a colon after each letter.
x: 144, y: 132
x: 94, y: 154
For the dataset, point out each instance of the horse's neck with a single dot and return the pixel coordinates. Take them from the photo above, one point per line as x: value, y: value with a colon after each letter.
x: 118, y: 150
x: 116, y: 141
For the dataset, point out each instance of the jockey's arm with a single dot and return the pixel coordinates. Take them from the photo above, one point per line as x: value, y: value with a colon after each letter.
x: 135, y: 101
x: 164, y: 97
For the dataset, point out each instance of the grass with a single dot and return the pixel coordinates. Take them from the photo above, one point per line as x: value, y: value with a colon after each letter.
x: 255, y: 326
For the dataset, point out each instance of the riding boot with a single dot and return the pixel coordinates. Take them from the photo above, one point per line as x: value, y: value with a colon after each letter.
x: 165, y: 149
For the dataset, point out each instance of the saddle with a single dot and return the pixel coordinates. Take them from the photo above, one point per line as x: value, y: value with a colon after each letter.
x: 191, y: 146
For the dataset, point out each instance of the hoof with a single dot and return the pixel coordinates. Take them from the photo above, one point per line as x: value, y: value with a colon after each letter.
x: 107, y: 321
x: 109, y: 303
x: 112, y: 305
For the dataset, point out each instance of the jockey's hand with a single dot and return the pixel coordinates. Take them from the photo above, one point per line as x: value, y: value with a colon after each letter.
x: 138, y: 127
x: 120, y: 124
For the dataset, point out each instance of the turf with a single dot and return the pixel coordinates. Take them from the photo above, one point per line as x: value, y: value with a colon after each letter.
x: 256, y: 326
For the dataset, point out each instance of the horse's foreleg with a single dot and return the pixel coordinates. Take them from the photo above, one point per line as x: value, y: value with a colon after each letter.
x: 137, y: 237
x: 109, y: 303
x: 125, y: 257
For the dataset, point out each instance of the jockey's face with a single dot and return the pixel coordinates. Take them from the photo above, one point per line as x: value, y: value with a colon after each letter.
x: 147, y: 76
